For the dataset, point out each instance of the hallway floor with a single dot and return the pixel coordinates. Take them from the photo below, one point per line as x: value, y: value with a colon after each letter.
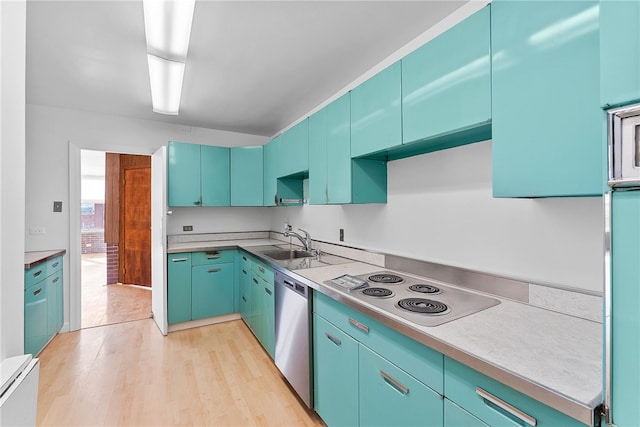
x: 104, y: 304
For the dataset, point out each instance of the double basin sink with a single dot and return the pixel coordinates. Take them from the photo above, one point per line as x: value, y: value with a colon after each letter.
x: 292, y: 258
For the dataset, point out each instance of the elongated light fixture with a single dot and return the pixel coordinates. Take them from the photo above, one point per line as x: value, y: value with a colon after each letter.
x: 168, y: 29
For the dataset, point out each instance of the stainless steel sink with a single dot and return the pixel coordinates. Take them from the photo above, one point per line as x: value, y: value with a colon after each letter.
x: 282, y: 254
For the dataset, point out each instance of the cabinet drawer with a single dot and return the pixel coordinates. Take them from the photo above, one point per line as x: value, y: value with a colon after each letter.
x: 212, y: 257
x: 419, y: 360
x: 384, y: 386
x: 455, y: 416
x: 35, y: 317
x: 496, y: 404
x: 35, y: 274
x: 263, y: 271
x: 54, y: 265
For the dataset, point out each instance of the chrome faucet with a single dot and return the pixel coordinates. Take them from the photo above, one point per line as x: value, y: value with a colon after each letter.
x: 306, y: 240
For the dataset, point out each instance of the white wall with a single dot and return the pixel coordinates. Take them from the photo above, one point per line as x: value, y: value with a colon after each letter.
x: 50, y: 131
x: 440, y: 208
x: 12, y: 182
x: 217, y: 220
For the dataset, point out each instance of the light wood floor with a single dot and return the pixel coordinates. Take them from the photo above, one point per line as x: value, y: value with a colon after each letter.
x: 104, y: 304
x: 129, y: 374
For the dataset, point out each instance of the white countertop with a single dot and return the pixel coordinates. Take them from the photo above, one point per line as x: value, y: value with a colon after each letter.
x: 548, y: 350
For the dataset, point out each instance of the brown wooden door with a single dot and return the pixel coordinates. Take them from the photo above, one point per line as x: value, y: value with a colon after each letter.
x: 135, y: 226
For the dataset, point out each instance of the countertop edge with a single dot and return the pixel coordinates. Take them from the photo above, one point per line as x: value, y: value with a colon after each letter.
x: 38, y: 257
x: 562, y: 403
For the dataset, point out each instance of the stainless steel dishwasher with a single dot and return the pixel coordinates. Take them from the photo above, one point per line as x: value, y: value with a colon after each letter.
x: 293, y: 335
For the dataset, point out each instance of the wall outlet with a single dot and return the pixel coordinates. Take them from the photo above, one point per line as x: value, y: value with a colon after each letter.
x: 187, y: 228
x: 287, y: 226
x: 37, y: 230
x: 342, y: 234
x: 57, y: 206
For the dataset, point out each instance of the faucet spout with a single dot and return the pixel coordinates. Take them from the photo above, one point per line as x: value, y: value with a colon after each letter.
x: 306, y: 240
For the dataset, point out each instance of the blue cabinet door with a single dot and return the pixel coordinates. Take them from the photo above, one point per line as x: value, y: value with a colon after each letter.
x: 547, y: 123
x: 54, y: 303
x: 215, y: 168
x: 179, y: 288
x: 271, y: 152
x: 294, y: 150
x: 446, y: 85
x: 246, y: 176
x: 268, y: 318
x: 376, y: 113
x: 211, y: 290
x: 339, y: 179
x: 619, y: 52
x: 183, y: 174
x: 455, y: 416
x: 36, y: 333
x: 391, y: 397
x: 625, y: 316
x: 245, y: 290
x: 318, y: 158
x: 335, y: 358
x: 257, y: 312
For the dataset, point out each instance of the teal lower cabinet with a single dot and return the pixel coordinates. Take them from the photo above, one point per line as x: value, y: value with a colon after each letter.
x: 43, y: 304
x: 179, y: 288
x: 257, y: 300
x: 391, y: 397
x: 455, y: 416
x: 200, y: 285
x: 211, y: 290
x: 496, y: 404
x: 625, y: 300
x: 335, y: 374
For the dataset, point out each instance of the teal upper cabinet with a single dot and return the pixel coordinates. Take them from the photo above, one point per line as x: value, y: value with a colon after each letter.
x: 318, y: 158
x: 214, y: 165
x: 271, y: 157
x: 376, y: 113
x: 294, y: 150
x: 184, y: 174
x: 547, y: 124
x: 246, y: 176
x: 619, y: 52
x: 198, y: 175
x: 334, y: 177
x: 446, y: 87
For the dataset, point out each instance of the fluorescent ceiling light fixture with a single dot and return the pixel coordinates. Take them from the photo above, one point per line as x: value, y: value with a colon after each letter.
x: 167, y: 26
x: 167, y: 29
x: 166, y: 84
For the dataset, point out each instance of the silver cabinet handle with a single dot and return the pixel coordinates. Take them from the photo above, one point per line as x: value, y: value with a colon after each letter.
x: 394, y: 383
x: 179, y: 259
x: 244, y: 271
x: 261, y: 269
x: 244, y: 258
x: 36, y: 292
x: 502, y: 406
x: 56, y: 279
x: 214, y: 256
x: 333, y: 339
x: 213, y: 270
x: 359, y: 325
x: 637, y: 146
x: 268, y: 291
x: 244, y: 299
x: 55, y: 264
x: 255, y: 280
x: 37, y: 273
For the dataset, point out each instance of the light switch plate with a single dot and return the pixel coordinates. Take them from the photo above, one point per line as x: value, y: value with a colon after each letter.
x: 57, y: 206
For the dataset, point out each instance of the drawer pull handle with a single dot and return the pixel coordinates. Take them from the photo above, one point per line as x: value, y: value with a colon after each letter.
x: 244, y: 271
x: 359, y: 325
x: 255, y: 281
x: 37, y: 292
x: 37, y: 273
x: 502, y: 406
x: 214, y: 256
x: 56, y: 279
x: 213, y: 270
x: 333, y: 339
x: 244, y: 299
x: 268, y: 291
x: 261, y: 269
x: 55, y: 264
x: 394, y: 383
x: 179, y: 259
x: 244, y: 258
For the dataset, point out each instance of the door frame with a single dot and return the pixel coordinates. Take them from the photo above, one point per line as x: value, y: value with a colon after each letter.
x: 73, y: 309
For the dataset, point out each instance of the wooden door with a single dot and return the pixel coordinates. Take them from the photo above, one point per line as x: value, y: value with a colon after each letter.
x: 135, y: 224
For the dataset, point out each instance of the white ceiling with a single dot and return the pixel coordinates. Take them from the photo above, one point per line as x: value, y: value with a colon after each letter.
x: 253, y: 66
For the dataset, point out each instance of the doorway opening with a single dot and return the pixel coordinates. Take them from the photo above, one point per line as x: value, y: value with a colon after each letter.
x: 115, y: 238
